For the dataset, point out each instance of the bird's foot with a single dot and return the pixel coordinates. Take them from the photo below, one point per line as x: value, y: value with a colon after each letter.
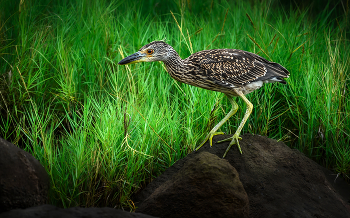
x: 234, y: 140
x: 210, y: 137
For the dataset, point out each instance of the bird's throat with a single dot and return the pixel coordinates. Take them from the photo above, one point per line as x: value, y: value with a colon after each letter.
x: 176, y: 67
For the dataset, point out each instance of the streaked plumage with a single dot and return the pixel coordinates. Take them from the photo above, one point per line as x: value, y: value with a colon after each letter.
x: 230, y: 71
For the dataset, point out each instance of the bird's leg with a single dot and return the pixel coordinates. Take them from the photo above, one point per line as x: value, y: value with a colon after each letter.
x: 234, y: 139
x: 213, y: 131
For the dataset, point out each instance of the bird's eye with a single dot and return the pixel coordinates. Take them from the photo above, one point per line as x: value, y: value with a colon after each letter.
x: 150, y: 51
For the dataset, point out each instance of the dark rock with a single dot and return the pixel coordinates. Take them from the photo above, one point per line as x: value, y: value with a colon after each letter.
x: 282, y: 182
x: 23, y: 180
x: 205, y: 186
x: 279, y: 181
x: 49, y: 211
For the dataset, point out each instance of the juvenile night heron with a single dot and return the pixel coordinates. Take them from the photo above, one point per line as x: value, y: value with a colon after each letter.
x: 230, y: 71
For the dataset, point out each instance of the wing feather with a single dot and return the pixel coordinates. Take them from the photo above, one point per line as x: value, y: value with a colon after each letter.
x: 235, y: 68
x: 231, y: 67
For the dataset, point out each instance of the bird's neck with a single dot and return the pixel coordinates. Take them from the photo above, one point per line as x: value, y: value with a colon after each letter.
x: 175, y: 66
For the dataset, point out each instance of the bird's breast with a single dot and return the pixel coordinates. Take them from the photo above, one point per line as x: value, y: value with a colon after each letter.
x: 250, y: 87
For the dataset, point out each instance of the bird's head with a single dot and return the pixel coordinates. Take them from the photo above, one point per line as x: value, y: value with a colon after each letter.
x: 154, y: 51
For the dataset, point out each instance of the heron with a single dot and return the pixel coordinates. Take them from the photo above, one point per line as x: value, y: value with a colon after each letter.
x: 233, y: 72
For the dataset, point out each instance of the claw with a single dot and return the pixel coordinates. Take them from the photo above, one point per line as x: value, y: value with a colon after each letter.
x: 234, y: 140
x: 229, y: 139
x: 210, y: 137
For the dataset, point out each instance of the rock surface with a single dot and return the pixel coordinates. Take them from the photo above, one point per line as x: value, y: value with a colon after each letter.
x: 49, y: 211
x: 205, y: 186
x: 23, y: 180
x: 279, y: 181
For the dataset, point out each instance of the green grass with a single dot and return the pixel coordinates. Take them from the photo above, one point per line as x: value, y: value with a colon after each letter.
x: 103, y: 131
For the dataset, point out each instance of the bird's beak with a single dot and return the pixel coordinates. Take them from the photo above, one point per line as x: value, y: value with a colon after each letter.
x: 134, y: 58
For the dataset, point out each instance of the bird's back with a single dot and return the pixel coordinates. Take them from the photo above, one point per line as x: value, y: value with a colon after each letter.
x: 224, y: 69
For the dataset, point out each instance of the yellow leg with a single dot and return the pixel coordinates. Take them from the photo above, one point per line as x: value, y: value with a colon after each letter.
x: 234, y: 139
x: 213, y: 131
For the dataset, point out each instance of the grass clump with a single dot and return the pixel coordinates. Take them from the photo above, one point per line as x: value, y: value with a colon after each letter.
x: 103, y: 131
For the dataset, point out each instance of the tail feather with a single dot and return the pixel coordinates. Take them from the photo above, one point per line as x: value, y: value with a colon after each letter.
x: 275, y: 69
x: 275, y: 73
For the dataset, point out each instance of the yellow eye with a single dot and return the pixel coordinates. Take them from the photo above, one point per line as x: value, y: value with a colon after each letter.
x: 150, y: 51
